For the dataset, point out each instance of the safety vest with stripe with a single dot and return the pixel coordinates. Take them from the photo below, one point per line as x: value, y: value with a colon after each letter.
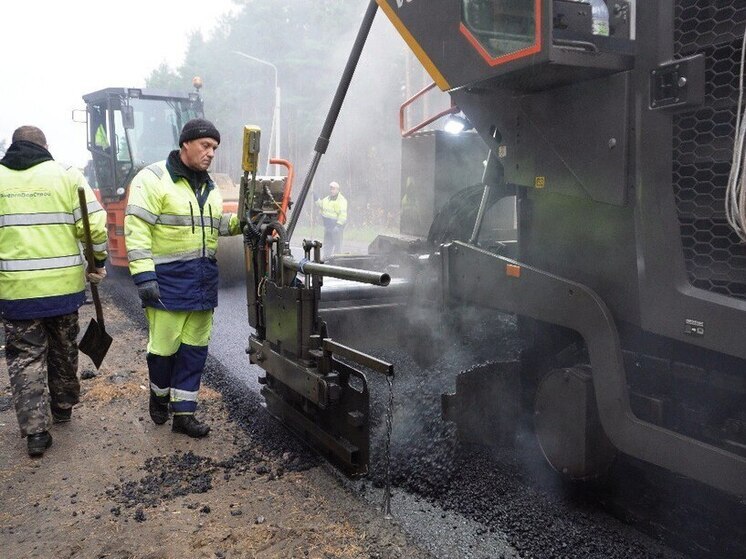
x: 41, y: 230
x: 173, y: 238
x: 333, y: 211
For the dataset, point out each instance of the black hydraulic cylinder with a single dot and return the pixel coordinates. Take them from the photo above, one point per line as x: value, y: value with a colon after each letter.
x: 341, y: 272
x: 331, y: 118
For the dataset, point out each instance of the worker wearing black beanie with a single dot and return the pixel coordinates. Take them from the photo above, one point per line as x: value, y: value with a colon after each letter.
x: 198, y: 128
x: 174, y: 216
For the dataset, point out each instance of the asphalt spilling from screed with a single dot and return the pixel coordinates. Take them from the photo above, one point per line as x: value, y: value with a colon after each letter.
x: 509, y: 495
x: 454, y: 501
x: 512, y: 491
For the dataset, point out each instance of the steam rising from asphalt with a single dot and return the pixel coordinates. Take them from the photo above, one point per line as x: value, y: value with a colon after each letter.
x: 506, y: 489
x: 428, y: 353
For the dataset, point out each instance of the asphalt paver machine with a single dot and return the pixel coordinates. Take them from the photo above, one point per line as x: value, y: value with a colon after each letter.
x: 612, y: 127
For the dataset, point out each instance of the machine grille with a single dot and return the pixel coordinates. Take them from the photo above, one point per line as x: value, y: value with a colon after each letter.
x: 703, y: 145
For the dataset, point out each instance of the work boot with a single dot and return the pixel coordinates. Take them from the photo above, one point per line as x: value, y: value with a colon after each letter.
x: 38, y: 443
x: 189, y: 425
x: 61, y: 415
x: 158, y: 411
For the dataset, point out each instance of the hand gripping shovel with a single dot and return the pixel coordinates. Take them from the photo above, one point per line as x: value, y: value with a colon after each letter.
x: 95, y: 342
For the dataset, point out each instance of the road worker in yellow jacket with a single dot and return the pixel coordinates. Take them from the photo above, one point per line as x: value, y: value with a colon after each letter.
x: 334, y: 213
x: 174, y: 217
x: 42, y: 280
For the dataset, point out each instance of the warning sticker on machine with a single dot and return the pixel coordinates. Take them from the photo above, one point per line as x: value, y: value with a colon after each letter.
x: 540, y: 182
x: 694, y: 327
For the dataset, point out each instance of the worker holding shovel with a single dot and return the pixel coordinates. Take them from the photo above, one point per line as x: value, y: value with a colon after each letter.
x: 42, y: 280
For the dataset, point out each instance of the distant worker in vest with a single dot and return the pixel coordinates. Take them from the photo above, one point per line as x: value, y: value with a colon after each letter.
x: 42, y: 281
x: 101, y: 139
x: 334, y: 213
x: 174, y: 217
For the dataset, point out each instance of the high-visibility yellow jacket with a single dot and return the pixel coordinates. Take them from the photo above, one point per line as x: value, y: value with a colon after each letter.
x: 101, y: 139
x: 41, y: 230
x: 333, y: 211
x: 171, y: 232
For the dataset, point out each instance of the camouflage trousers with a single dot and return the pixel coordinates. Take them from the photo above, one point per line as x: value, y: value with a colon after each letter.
x: 42, y: 352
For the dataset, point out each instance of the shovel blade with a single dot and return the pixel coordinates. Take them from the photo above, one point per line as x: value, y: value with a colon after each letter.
x: 95, y: 342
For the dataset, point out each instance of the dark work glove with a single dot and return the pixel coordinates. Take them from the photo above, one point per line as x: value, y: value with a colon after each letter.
x: 337, y: 228
x: 149, y: 292
x: 315, y: 196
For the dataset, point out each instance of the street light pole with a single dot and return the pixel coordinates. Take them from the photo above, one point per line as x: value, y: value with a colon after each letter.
x: 275, y: 131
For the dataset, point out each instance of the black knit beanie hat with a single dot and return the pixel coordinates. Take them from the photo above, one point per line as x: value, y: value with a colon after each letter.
x: 198, y: 128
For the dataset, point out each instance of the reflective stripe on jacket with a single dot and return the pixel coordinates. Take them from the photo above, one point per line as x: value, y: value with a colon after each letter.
x: 172, y: 239
x: 41, y: 263
x: 333, y: 209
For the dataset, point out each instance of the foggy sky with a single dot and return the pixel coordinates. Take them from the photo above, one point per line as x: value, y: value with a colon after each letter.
x: 53, y: 52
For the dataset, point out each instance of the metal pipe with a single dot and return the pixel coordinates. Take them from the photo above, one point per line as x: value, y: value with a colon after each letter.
x: 486, y: 181
x: 337, y: 291
x: 480, y: 214
x: 331, y: 118
x: 352, y: 274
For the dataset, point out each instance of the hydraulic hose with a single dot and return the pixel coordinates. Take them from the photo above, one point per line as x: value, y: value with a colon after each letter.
x: 331, y: 118
x: 277, y: 227
x: 735, y: 194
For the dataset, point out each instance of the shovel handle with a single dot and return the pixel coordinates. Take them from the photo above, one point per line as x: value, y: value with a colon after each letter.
x: 89, y: 255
